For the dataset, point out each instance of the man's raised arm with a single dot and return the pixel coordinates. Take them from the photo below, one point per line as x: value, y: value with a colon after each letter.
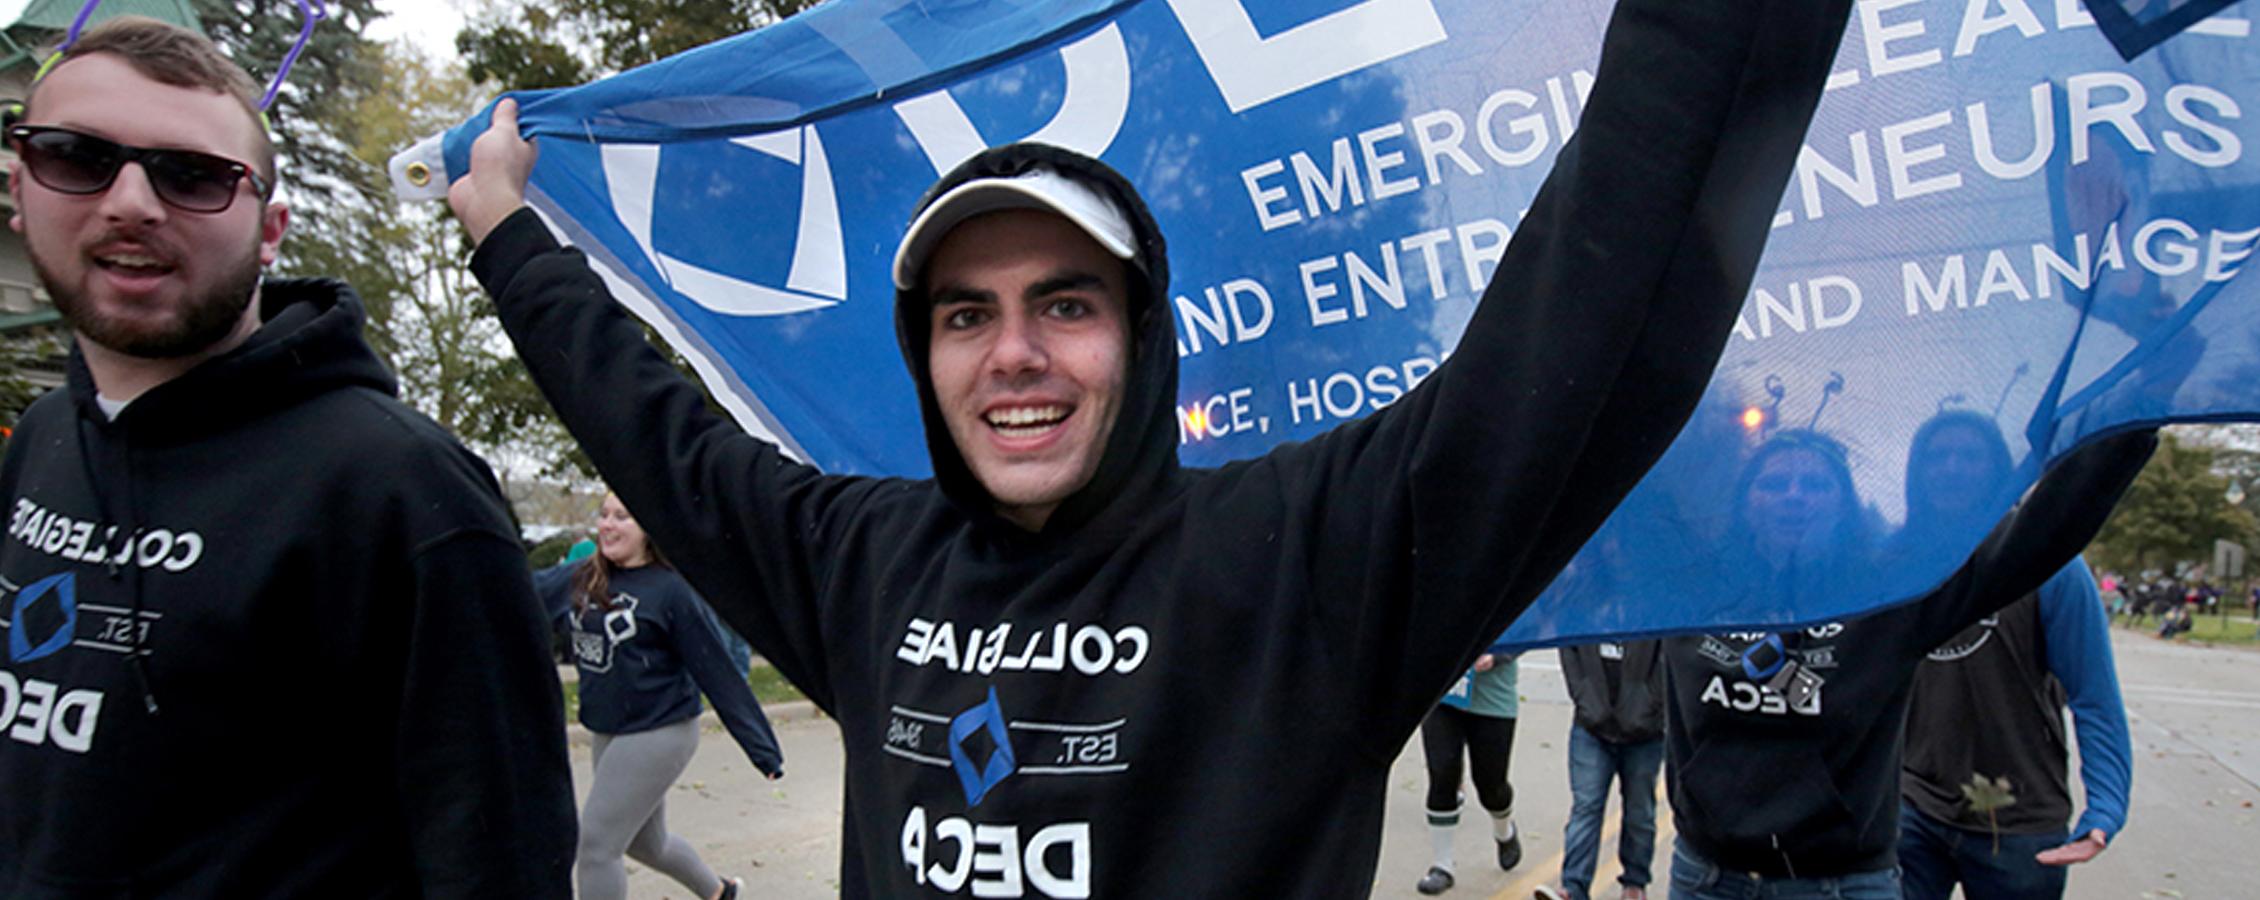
x: 1593, y: 342
x: 716, y: 498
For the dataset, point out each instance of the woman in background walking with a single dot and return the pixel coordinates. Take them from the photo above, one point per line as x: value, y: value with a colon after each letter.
x: 641, y: 640
x: 1472, y: 731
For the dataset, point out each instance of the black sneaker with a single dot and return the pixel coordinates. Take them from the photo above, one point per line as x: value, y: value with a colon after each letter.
x: 1510, y: 851
x: 1437, y: 881
x: 1549, y: 892
x: 729, y: 889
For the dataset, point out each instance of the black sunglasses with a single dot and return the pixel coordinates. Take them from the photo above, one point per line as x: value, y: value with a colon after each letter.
x: 73, y: 163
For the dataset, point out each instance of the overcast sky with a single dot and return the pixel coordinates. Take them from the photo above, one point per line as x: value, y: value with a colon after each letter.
x: 428, y: 23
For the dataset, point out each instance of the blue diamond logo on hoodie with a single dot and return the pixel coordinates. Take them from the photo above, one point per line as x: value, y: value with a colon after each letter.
x: 62, y: 590
x: 978, y: 780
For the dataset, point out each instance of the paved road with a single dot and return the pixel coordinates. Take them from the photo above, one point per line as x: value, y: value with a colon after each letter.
x: 2194, y: 832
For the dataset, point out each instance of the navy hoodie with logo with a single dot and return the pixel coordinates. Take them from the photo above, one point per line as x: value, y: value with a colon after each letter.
x: 1782, y: 786
x: 1065, y: 713
x: 644, y: 658
x: 269, y: 634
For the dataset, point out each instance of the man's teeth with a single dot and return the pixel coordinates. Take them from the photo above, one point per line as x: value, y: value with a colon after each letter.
x: 1027, y: 417
x: 133, y: 261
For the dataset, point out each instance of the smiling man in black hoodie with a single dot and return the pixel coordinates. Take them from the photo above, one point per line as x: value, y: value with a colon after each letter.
x: 268, y: 632
x: 1066, y: 666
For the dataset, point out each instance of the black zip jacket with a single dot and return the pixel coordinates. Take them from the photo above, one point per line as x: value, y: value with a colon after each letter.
x: 1761, y: 784
x: 343, y: 687
x: 1067, y: 713
x: 1634, y: 711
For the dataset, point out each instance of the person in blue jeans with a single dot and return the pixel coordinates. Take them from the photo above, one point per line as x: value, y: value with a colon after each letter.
x: 733, y: 645
x: 1617, y: 734
x: 2017, y: 671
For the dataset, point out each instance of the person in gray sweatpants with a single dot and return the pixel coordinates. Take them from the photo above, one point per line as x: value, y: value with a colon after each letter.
x: 627, y: 809
x: 645, y: 650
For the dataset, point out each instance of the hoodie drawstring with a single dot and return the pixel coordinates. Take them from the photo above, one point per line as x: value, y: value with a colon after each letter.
x: 117, y: 566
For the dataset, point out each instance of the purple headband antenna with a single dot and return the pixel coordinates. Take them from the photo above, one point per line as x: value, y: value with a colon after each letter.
x: 309, y: 12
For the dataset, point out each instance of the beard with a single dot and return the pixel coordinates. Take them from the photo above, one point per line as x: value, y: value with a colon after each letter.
x: 205, y: 316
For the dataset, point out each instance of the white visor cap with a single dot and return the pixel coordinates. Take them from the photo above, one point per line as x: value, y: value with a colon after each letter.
x: 1039, y: 188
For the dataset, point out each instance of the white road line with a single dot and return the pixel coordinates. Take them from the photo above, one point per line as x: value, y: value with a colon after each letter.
x: 2201, y: 697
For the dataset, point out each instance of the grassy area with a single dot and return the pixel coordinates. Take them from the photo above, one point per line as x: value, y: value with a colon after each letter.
x: 2209, y: 629
x: 768, y: 687
x: 2215, y: 630
x: 771, y: 687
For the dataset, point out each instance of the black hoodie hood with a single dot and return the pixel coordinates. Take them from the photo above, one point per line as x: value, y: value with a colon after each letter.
x: 268, y: 551
x: 1141, y: 449
x: 309, y: 341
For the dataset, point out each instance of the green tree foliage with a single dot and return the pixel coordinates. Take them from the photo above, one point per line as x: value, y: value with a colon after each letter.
x: 519, y: 45
x: 565, y: 42
x: 2173, y: 513
x: 339, y: 200
x: 19, y: 355
x: 520, y: 55
x: 551, y: 550
x: 349, y: 104
x: 440, y: 334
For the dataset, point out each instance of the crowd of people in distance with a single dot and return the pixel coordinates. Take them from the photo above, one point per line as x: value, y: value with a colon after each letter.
x: 2173, y: 604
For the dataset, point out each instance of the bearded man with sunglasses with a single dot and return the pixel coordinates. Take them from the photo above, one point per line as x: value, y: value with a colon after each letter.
x: 268, y: 631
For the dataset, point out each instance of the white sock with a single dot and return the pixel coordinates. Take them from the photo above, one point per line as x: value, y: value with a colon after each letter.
x: 1440, y: 843
x: 1503, y: 826
x: 1440, y: 828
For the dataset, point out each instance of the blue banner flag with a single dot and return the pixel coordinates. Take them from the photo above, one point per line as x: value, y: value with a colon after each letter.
x: 2016, y: 225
